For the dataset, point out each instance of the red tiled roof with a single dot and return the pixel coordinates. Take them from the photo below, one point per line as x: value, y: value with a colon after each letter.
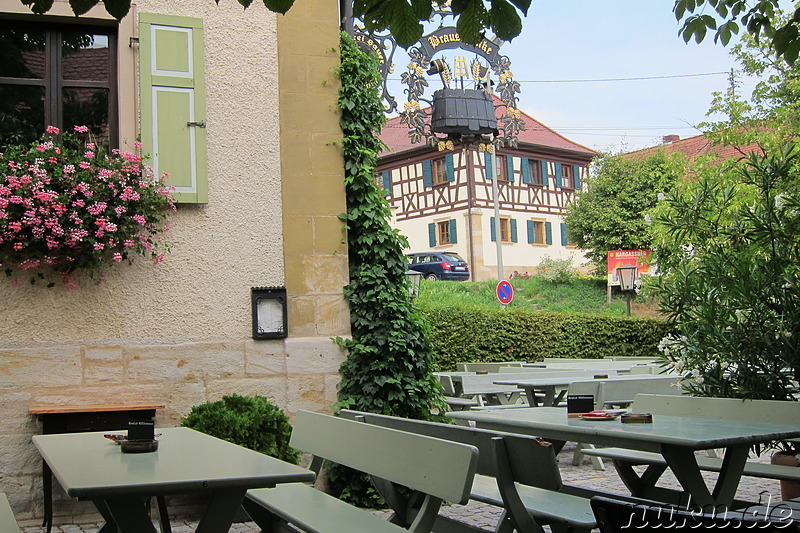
x: 694, y: 147
x: 395, y: 135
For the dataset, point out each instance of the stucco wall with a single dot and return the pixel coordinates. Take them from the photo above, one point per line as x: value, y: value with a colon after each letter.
x: 179, y: 333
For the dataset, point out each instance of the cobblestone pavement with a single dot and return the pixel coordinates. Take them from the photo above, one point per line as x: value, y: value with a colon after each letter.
x: 486, y: 516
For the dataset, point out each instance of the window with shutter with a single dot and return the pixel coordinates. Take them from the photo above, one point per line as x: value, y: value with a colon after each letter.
x: 173, y: 102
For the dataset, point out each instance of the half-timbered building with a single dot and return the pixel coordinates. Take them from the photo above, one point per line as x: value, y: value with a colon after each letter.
x: 442, y: 200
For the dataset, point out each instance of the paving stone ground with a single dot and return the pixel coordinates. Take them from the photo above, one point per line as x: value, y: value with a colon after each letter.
x: 484, y: 516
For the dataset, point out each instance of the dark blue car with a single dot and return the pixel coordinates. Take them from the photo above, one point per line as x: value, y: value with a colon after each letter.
x: 439, y: 265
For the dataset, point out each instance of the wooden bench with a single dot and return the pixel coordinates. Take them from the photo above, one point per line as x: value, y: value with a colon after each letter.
x: 8, y: 524
x: 775, y: 411
x: 517, y: 472
x: 441, y: 470
x: 485, y: 367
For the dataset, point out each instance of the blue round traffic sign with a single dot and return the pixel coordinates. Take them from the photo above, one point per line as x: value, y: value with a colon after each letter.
x: 505, y: 292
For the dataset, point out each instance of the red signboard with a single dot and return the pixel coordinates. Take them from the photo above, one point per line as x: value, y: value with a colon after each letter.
x: 618, y: 258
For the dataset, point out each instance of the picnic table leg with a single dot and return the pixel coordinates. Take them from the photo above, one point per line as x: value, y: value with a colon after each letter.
x: 128, y: 514
x: 683, y: 464
x: 639, y: 485
x: 220, y: 511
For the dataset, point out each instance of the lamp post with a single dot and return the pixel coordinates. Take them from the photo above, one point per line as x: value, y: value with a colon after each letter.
x: 626, y: 274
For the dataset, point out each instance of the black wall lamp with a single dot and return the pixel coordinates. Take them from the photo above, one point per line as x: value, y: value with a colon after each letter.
x: 269, y: 312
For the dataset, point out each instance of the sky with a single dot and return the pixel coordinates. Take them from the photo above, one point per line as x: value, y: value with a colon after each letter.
x: 567, y: 40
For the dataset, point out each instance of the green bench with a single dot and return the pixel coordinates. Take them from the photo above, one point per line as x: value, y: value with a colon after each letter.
x: 8, y: 524
x: 516, y: 472
x: 783, y: 412
x: 440, y: 470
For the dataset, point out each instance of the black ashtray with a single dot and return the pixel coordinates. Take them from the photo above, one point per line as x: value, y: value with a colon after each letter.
x: 138, y: 446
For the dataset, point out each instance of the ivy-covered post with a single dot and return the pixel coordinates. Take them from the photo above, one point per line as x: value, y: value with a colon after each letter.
x: 389, y: 365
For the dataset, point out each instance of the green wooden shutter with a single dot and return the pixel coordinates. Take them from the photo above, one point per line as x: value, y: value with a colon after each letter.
x: 531, y: 232
x: 172, y: 85
x: 432, y: 234
x: 545, y: 178
x: 493, y: 230
x: 514, y: 230
x: 510, y: 166
x: 548, y: 233
x: 558, y: 176
x: 387, y: 183
x: 564, y: 237
x: 451, y: 173
x: 526, y: 170
x: 576, y: 171
x: 487, y: 159
x: 427, y: 173
x: 453, y: 236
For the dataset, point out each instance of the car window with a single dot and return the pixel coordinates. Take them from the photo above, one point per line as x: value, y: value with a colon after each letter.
x: 452, y: 257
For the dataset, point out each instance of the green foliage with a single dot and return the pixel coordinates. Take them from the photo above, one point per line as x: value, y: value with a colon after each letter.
x: 758, y: 18
x: 389, y: 365
x: 466, y: 334
x: 579, y: 295
x: 401, y: 17
x: 556, y: 270
x: 729, y: 251
x: 250, y: 421
x: 608, y: 213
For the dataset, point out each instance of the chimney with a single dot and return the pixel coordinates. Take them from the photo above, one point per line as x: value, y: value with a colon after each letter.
x: 669, y: 139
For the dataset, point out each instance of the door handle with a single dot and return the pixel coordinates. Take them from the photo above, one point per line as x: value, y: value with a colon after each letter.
x: 201, y: 124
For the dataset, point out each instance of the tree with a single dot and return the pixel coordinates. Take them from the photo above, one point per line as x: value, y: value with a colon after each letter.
x: 608, y: 214
x: 401, y: 17
x: 759, y: 19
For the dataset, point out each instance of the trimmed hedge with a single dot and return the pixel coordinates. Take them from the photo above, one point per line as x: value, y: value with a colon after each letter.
x: 466, y: 335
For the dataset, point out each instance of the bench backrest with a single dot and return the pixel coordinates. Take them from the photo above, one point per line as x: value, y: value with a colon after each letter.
x: 622, y: 391
x: 440, y: 468
x: 545, y: 372
x: 485, y: 367
x: 7, y: 522
x: 483, y: 384
x: 531, y: 460
x: 775, y: 411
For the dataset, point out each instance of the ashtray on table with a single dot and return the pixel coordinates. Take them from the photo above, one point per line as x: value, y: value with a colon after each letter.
x: 599, y: 415
x: 138, y: 446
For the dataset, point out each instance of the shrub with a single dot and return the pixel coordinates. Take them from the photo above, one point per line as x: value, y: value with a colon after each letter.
x: 556, y: 270
x: 250, y: 421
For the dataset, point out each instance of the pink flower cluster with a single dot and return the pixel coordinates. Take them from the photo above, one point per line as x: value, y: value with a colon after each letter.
x: 67, y: 205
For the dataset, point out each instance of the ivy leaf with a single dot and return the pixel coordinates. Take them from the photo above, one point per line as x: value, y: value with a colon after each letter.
x: 472, y: 21
x: 117, y: 8
x: 279, y: 6
x: 79, y: 7
x: 506, y: 23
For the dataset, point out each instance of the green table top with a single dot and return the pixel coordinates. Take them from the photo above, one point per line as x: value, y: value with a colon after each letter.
x: 690, y: 432
x: 87, y: 465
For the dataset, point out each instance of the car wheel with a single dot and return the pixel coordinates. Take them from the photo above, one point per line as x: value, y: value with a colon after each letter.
x: 432, y: 277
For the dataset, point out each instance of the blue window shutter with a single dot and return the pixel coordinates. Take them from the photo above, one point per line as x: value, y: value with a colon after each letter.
x: 545, y: 178
x: 558, y: 176
x: 548, y: 233
x: 531, y: 236
x: 564, y: 238
x: 576, y: 171
x: 427, y: 174
x: 487, y: 159
x: 453, y: 237
x: 526, y: 170
x: 432, y: 234
x: 510, y: 165
x: 493, y: 231
x: 514, y: 230
x: 387, y: 183
x: 451, y: 173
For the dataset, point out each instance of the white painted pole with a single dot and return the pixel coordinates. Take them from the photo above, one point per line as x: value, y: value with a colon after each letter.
x: 495, y: 195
